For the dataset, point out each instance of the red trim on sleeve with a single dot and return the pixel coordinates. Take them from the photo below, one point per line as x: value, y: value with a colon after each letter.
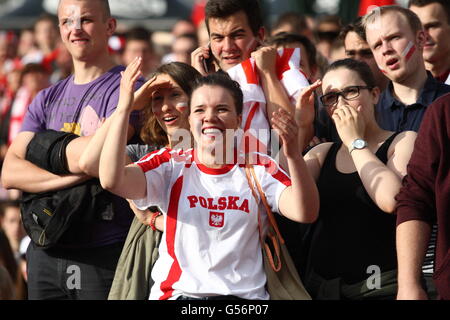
x: 154, y: 160
x: 273, y: 169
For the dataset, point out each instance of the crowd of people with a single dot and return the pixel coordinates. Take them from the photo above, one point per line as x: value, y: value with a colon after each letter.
x: 163, y: 139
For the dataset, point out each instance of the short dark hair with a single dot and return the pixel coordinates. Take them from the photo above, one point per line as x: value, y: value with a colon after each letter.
x: 360, y: 67
x: 184, y: 75
x: 422, y: 3
x: 33, y: 68
x: 356, y: 27
x: 225, y: 8
x: 297, y: 21
x: 284, y: 38
x: 139, y: 34
x: 46, y: 17
x: 223, y: 80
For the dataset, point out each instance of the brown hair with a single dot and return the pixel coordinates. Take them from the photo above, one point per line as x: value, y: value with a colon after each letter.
x: 422, y: 3
x: 184, y: 75
x: 224, y: 8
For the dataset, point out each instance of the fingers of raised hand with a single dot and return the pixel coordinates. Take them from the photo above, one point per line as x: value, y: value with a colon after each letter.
x: 308, y: 91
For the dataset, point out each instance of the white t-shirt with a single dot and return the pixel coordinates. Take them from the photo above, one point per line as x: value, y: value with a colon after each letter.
x: 211, y: 241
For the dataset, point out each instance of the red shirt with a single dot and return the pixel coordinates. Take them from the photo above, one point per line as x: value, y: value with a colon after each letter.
x: 425, y: 194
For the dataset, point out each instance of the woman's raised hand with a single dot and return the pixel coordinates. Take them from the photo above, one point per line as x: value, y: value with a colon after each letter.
x: 304, y: 109
x: 143, y: 96
x: 129, y: 78
x: 287, y: 129
x: 349, y: 123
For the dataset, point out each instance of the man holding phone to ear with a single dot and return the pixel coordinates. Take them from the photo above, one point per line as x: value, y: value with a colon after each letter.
x: 236, y: 32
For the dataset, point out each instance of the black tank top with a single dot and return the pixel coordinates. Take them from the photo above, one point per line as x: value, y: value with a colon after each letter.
x: 351, y: 233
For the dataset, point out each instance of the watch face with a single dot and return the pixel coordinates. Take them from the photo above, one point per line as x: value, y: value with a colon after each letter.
x: 359, y: 144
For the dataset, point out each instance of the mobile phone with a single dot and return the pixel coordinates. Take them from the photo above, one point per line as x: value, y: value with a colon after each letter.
x: 208, y: 63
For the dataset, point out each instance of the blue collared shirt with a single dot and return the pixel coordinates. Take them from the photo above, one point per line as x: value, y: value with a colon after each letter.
x: 394, y: 115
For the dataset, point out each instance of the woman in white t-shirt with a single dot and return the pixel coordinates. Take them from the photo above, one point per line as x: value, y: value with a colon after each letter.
x: 210, y: 246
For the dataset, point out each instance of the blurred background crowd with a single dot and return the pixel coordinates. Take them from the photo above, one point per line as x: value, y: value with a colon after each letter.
x: 32, y: 58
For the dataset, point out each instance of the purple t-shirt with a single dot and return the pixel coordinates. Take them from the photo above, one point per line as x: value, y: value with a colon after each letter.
x: 80, y: 109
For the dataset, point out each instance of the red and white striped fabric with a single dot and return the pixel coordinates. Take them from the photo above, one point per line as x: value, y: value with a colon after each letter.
x: 254, y: 115
x: 211, y: 241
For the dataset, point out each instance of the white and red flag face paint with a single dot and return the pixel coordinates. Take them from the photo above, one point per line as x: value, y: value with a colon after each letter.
x: 409, y: 51
x: 254, y: 115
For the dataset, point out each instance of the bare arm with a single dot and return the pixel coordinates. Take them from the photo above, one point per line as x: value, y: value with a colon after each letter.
x: 300, y: 201
x: 126, y: 181
x: 18, y: 173
x: 91, y: 148
x: 412, y: 243
x: 276, y: 95
x: 382, y: 182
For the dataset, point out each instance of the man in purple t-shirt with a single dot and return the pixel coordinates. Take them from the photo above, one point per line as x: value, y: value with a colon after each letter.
x: 84, y: 268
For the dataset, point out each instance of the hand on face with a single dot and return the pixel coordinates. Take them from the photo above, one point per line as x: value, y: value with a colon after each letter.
x: 349, y: 123
x: 129, y: 78
x: 284, y: 124
x: 198, y: 59
x: 142, y: 97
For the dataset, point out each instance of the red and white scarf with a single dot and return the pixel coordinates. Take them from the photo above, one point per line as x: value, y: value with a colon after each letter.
x: 254, y: 114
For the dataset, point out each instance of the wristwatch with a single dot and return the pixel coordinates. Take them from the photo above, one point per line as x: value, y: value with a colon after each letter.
x: 357, y: 144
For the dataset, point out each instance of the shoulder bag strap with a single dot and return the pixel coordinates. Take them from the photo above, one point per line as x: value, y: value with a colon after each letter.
x: 249, y: 171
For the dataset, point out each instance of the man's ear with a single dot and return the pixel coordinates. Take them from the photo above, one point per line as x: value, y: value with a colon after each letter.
x: 422, y: 37
x: 261, y: 34
x: 111, y: 27
x: 376, y: 94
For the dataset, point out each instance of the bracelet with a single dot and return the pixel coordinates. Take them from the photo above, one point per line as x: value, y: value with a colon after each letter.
x: 153, y: 220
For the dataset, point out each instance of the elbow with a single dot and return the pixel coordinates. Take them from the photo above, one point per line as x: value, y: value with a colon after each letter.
x: 108, y: 184
x: 7, y: 179
x: 388, y: 209
x: 87, y: 167
x: 388, y: 206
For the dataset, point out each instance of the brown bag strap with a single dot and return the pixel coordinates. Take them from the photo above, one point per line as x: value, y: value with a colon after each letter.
x: 270, y: 215
x: 250, y: 171
x: 252, y: 188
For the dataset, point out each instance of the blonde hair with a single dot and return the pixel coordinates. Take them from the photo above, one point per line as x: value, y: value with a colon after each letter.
x: 411, y: 17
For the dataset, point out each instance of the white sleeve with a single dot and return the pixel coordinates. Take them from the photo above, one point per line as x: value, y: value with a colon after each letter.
x: 158, y: 169
x: 273, y: 180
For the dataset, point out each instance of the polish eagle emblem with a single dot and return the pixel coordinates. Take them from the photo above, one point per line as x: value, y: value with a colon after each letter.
x: 216, y: 219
